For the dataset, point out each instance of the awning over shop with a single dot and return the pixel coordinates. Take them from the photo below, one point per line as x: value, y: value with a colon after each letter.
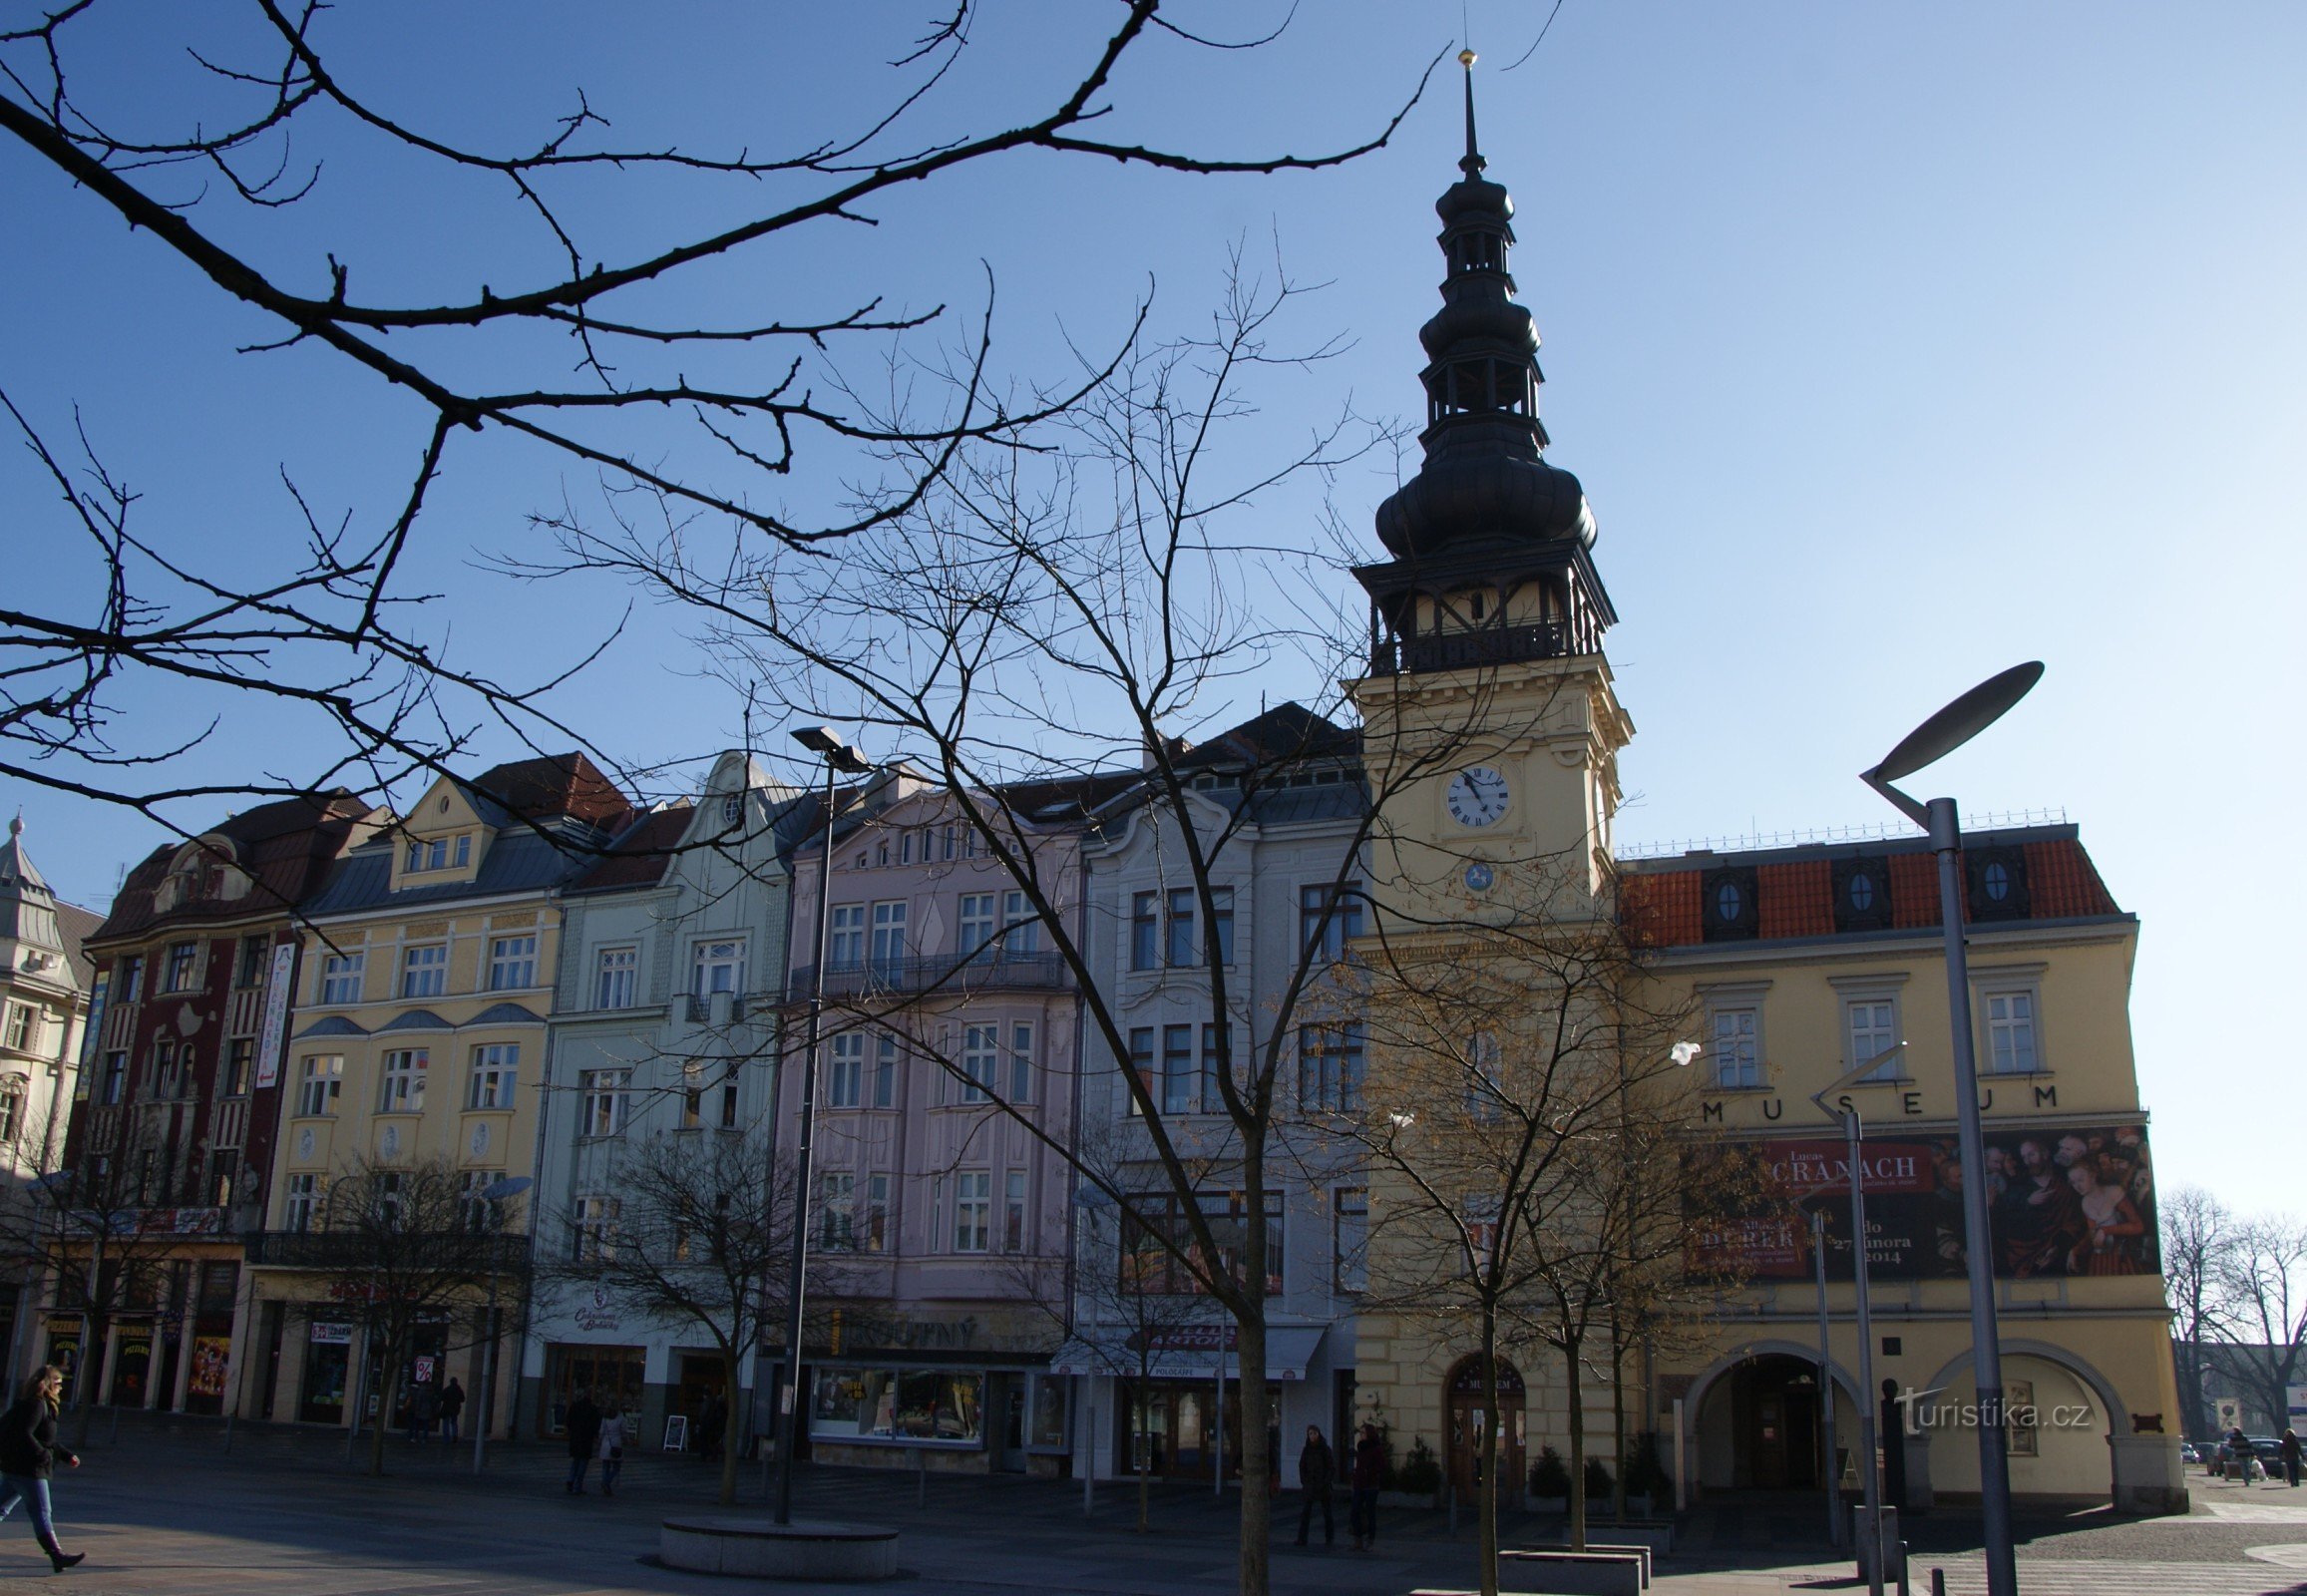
x: 1185, y: 1352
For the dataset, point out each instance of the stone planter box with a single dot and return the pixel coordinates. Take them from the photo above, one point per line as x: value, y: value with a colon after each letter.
x: 758, y: 1549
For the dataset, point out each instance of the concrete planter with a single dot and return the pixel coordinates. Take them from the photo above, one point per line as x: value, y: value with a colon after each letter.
x: 755, y: 1548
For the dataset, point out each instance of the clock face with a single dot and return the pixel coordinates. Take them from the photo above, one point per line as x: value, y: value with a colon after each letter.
x: 1477, y: 796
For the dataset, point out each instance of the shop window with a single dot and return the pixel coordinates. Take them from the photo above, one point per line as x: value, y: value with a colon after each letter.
x: 915, y: 1406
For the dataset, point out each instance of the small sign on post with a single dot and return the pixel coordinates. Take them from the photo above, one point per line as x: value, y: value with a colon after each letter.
x: 677, y: 1432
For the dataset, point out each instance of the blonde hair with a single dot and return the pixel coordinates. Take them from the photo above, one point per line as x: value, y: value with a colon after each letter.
x: 37, y: 1386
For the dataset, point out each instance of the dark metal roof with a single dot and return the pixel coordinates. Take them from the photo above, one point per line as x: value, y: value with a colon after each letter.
x: 284, y: 847
x: 518, y: 861
x: 333, y: 1026
x: 505, y: 1015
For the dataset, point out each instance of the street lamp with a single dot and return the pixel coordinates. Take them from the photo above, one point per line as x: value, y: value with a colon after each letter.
x: 1928, y: 743
x: 497, y: 1191
x: 840, y: 760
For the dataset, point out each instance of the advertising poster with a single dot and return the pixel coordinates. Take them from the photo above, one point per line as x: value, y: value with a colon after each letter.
x: 211, y: 1362
x: 274, y: 1033
x: 2063, y: 1202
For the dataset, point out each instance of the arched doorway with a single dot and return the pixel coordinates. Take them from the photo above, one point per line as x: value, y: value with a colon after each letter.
x: 1759, y: 1427
x: 1467, y: 1407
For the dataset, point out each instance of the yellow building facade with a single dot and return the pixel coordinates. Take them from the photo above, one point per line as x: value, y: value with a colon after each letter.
x: 427, y: 975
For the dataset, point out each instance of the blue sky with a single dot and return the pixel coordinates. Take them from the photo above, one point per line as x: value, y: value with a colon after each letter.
x: 1894, y: 344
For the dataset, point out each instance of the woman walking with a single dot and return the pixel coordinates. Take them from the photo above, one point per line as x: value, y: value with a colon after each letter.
x: 611, y: 1450
x: 28, y: 1451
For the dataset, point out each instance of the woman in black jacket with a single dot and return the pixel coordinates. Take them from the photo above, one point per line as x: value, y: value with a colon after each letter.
x: 28, y: 1450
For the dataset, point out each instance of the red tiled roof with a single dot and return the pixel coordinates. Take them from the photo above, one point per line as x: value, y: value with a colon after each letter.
x: 2063, y: 884
x: 1796, y: 900
x: 1660, y: 910
x: 555, y: 784
x: 1915, y: 891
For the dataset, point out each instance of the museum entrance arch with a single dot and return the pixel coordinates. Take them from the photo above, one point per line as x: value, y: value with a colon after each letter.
x: 1468, y: 1412
x: 1759, y: 1425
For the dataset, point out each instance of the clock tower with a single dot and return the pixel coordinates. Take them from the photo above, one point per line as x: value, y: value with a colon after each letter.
x: 1489, y: 723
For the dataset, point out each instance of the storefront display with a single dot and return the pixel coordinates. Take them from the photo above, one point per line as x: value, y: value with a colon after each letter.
x: 918, y: 1405
x: 615, y: 1372
x: 328, y: 1361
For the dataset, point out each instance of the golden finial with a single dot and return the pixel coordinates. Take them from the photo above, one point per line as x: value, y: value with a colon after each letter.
x: 1467, y: 58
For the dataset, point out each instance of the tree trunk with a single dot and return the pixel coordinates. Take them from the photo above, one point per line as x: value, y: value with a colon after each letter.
x: 1257, y: 1509
x: 388, y: 1382
x: 1488, y: 1535
x: 1618, y: 1417
x: 1575, y: 1393
x: 729, y: 1429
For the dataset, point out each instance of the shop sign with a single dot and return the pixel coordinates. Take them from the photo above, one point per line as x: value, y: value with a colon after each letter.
x: 325, y: 1335
x: 600, y: 1314
x: 909, y: 1333
x: 275, y: 1027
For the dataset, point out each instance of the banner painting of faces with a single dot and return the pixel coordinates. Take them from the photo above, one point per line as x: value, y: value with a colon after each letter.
x: 2063, y: 1203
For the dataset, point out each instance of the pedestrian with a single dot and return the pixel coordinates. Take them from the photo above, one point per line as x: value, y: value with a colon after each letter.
x: 28, y: 1451
x: 424, y: 1410
x: 2244, y: 1454
x: 452, y: 1408
x: 1316, y: 1473
x: 611, y: 1450
x: 584, y: 1421
x: 2290, y: 1449
x: 712, y: 1417
x: 1369, y: 1473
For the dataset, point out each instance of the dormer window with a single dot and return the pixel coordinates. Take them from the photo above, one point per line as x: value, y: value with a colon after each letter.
x: 438, y: 853
x: 733, y: 809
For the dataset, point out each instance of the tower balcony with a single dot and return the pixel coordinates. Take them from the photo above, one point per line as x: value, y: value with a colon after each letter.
x: 1460, y: 651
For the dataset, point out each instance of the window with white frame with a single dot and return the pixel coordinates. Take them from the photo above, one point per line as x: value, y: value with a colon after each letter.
x: 877, y: 1237
x: 603, y: 1108
x: 844, y: 1072
x: 303, y: 1202
x: 1021, y: 926
x: 729, y: 1095
x: 513, y: 962
x: 1014, y: 1212
x: 440, y: 853
x: 19, y: 1036
x: 115, y: 1078
x: 1329, y: 1065
x: 1178, y: 1074
x: 1144, y: 930
x: 496, y: 1070
x: 845, y: 941
x: 1870, y: 1028
x: 836, y: 1211
x: 978, y: 924
x: 720, y: 967
x: 1142, y: 1065
x: 475, y: 1211
x: 617, y: 978
x: 973, y: 1209
x: 340, y: 977
x: 594, y: 1221
x: 404, y: 1081
x: 1329, y: 917
x: 389, y: 1190
x: 1177, y: 929
x: 178, y: 972
x: 1020, y: 1063
x: 1222, y: 923
x: 425, y: 971
x: 1738, y: 1047
x: 2012, y: 1042
x: 1350, y: 1239
x: 693, y: 1095
x: 11, y: 1108
x: 885, y: 1065
x: 240, y: 1065
x: 888, y: 936
x: 1217, y: 1063
x: 981, y: 1062
x: 318, y: 1081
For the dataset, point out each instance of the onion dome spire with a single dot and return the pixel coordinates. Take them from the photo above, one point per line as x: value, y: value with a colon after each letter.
x: 1486, y: 479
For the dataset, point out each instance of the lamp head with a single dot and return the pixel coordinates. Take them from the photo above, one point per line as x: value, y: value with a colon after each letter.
x: 818, y: 739
x: 1959, y: 721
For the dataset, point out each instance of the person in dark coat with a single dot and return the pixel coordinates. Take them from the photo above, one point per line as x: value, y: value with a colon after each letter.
x: 1369, y: 1474
x: 1316, y: 1473
x: 452, y: 1408
x: 584, y: 1421
x: 2288, y: 1449
x: 29, y: 1451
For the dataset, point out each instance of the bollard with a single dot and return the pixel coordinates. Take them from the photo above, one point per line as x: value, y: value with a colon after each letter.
x: 1902, y: 1589
x: 1938, y: 1582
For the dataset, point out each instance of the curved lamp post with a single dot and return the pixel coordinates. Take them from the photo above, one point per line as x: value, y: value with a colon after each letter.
x: 497, y: 1191
x: 840, y: 760
x: 1928, y: 743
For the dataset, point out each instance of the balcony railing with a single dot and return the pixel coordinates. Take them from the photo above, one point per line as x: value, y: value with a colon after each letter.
x: 1456, y: 650
x: 347, y: 1250
x: 992, y: 971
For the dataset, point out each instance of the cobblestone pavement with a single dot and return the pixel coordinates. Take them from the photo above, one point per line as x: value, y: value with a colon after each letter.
x: 168, y: 1510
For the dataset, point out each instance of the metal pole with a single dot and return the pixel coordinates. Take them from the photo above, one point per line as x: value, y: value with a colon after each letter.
x: 1218, y: 1422
x: 1089, y: 1450
x: 1978, y: 1235
x: 1867, y: 1472
x: 488, y: 1390
x: 1826, y: 1385
x: 788, y: 1400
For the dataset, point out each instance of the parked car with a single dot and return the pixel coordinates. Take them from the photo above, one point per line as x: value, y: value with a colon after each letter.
x: 2229, y: 1462
x: 2189, y: 1453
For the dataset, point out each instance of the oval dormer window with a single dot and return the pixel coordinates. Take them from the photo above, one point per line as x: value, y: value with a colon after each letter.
x: 1996, y: 878
x: 732, y: 808
x: 1728, y: 901
x: 1861, y: 892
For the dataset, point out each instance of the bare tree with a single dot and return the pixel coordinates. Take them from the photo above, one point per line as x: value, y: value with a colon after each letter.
x: 575, y: 342
x: 2261, y: 1279
x: 699, y: 1238
x: 1527, y: 1141
x: 405, y: 1247
x: 2199, y: 1235
x: 1037, y: 621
